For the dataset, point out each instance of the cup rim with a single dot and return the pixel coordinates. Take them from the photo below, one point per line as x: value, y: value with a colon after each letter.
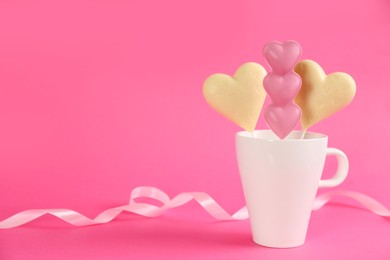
x: 269, y: 135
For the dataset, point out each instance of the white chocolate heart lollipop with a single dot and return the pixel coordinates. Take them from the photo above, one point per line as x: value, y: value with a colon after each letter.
x: 322, y: 95
x: 239, y: 98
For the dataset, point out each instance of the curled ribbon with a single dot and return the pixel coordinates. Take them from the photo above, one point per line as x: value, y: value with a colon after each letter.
x: 149, y: 210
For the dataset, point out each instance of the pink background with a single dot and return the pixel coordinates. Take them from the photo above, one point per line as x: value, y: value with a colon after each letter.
x: 98, y: 97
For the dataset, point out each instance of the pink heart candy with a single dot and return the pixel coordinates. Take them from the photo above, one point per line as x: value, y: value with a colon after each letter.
x: 282, y: 89
x: 282, y: 119
x: 282, y: 57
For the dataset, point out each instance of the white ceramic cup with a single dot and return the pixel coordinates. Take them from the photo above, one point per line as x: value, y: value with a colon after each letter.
x: 280, y: 179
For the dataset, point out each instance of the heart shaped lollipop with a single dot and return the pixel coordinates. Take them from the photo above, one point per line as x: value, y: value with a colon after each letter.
x: 282, y: 56
x: 282, y: 84
x: 239, y: 98
x: 282, y: 119
x: 282, y: 89
x: 322, y: 95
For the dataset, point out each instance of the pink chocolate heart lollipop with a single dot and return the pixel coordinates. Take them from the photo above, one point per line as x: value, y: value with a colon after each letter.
x: 282, y: 89
x: 282, y: 85
x: 282, y: 119
x: 282, y: 57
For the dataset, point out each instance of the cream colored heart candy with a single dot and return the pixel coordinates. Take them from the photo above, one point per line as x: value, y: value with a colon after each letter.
x: 322, y: 95
x: 239, y: 98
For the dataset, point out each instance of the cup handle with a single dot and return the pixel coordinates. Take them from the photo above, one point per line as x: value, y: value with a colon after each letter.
x: 342, y: 169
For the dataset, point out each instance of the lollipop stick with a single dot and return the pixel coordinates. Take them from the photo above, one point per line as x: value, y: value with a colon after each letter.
x: 303, y: 133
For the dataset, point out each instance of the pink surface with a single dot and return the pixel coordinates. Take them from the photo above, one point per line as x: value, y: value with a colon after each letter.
x: 98, y: 97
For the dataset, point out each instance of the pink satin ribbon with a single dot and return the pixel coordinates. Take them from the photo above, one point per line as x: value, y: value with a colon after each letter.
x: 149, y: 210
